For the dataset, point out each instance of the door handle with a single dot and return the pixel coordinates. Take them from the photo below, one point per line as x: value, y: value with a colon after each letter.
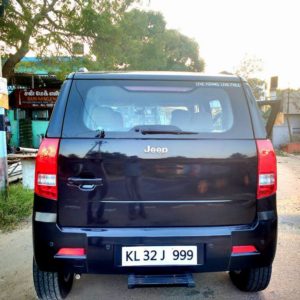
x: 85, y: 184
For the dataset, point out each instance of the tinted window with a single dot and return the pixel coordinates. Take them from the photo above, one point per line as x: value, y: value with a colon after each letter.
x: 126, y: 108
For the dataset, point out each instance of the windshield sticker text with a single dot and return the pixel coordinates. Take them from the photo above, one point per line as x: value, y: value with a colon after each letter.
x: 218, y: 84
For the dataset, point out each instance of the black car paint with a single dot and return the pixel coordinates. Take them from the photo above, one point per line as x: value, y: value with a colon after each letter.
x: 192, y: 185
x: 103, y: 246
x: 103, y: 241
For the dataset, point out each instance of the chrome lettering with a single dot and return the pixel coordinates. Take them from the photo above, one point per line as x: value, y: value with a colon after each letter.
x: 160, y: 150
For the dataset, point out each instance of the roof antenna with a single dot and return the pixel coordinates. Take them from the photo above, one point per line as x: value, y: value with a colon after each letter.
x: 83, y: 70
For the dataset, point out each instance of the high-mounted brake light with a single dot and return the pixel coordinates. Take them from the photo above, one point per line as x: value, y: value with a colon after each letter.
x: 267, y: 171
x: 46, y: 169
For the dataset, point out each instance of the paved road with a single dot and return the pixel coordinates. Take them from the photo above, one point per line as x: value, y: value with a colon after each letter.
x: 16, y: 257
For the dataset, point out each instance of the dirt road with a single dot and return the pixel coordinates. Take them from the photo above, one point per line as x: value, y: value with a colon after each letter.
x: 16, y: 259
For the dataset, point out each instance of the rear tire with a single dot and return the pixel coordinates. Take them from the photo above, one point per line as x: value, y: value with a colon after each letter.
x: 51, y: 285
x: 252, y: 280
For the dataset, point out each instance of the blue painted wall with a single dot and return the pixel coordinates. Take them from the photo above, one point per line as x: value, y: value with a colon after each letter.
x: 38, y: 128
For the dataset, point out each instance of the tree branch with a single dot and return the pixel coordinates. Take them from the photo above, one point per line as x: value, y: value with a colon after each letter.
x: 18, y: 13
x: 24, y: 8
x: 13, y: 59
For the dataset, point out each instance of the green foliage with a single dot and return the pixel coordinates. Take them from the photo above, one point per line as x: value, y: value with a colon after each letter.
x: 57, y: 65
x: 265, y: 111
x: 16, y: 207
x: 142, y: 42
x: 34, y: 25
x: 249, y: 68
x: 118, y: 38
x: 281, y: 153
x: 257, y: 85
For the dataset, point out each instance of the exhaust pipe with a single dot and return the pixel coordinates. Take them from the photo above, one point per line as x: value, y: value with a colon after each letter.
x: 27, y: 150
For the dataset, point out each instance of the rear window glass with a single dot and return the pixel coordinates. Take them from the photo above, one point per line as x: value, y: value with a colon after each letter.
x: 131, y: 108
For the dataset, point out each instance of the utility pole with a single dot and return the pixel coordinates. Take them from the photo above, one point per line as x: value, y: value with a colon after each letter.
x: 288, y: 116
x: 3, y: 105
x: 3, y: 146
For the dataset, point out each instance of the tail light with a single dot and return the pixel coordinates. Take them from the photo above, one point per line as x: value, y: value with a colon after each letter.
x: 267, y: 173
x: 46, y: 169
x: 71, y: 252
x: 243, y: 249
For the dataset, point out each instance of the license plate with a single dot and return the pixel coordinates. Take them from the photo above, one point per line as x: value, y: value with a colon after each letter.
x: 159, y: 256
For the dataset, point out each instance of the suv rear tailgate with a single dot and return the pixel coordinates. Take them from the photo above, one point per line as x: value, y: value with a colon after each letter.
x: 157, y: 152
x: 196, y: 183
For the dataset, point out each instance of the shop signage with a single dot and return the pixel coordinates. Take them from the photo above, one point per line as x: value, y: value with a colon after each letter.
x: 3, y: 93
x: 36, y: 98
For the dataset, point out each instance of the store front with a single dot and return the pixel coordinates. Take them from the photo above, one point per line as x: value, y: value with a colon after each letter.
x: 30, y: 111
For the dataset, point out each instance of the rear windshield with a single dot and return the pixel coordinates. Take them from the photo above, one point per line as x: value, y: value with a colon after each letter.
x: 132, y: 108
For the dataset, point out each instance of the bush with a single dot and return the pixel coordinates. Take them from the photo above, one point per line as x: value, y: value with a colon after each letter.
x: 15, y: 207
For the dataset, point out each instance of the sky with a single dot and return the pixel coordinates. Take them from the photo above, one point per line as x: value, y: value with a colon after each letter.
x: 227, y: 30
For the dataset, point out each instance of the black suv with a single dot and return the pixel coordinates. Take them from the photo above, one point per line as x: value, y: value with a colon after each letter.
x: 154, y: 175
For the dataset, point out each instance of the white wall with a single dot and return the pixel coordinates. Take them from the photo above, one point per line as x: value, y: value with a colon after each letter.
x: 280, y: 133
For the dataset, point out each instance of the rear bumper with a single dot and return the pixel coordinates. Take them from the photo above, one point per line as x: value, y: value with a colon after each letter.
x: 103, y: 246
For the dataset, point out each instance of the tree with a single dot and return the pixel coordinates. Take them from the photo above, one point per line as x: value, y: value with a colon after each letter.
x: 249, y: 68
x: 144, y: 43
x: 36, y: 24
x: 59, y: 66
x: 182, y: 52
x: 118, y: 39
x: 142, y: 40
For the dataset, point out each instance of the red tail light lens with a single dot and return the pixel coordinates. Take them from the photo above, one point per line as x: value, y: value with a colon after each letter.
x: 46, y: 169
x: 267, y: 172
x: 71, y: 252
x: 243, y: 249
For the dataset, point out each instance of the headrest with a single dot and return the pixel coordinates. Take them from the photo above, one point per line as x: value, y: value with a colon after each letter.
x: 181, y: 118
x: 202, y: 122
x: 107, y: 119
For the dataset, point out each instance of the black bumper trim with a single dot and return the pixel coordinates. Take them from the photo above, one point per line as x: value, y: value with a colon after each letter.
x: 266, y: 215
x: 102, y: 246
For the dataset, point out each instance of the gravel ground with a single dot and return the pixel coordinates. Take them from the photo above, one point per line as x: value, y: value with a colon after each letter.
x: 16, y: 259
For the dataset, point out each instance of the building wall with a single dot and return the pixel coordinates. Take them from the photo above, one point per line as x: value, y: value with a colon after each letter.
x: 291, y: 97
x: 14, y: 142
x: 38, y: 128
x: 280, y: 134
